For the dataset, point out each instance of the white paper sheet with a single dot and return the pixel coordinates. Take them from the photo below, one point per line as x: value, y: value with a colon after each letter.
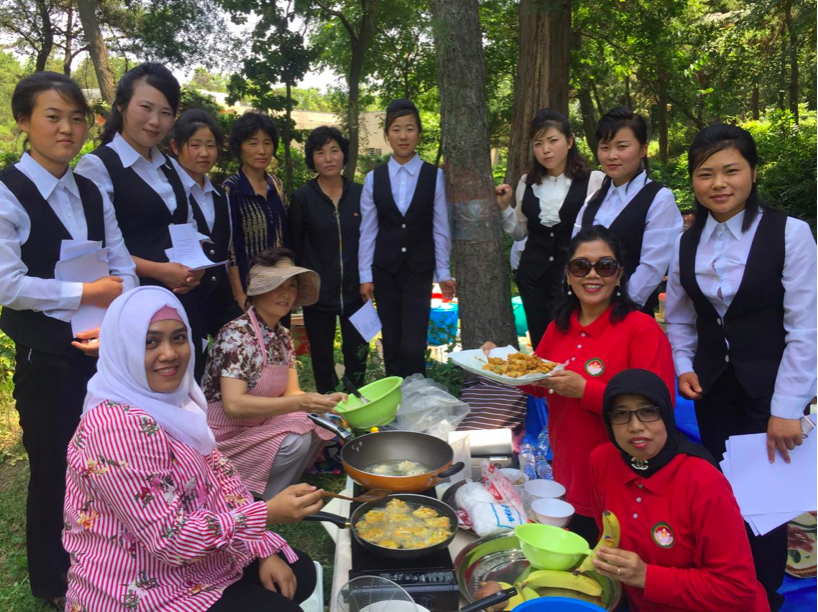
x: 366, y: 321
x: 187, y: 248
x: 762, y: 487
x: 86, y: 268
x: 75, y: 248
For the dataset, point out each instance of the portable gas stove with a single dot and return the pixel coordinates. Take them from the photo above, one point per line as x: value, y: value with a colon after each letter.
x: 431, y: 580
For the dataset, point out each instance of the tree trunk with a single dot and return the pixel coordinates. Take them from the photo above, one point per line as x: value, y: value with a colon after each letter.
x: 782, y: 74
x: 589, y: 119
x: 661, y: 123
x: 354, y: 113
x: 47, y: 36
x: 755, y: 102
x: 541, y: 81
x: 601, y: 111
x: 97, y: 49
x: 793, y: 45
x: 627, y: 101
x: 360, y: 47
x: 69, y: 40
x: 288, y: 135
x: 480, y: 266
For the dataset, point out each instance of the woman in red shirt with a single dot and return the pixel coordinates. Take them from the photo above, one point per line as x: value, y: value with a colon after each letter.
x: 598, y: 330
x: 683, y: 544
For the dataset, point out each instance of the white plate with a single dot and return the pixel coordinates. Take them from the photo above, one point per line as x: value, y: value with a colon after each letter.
x: 474, y: 360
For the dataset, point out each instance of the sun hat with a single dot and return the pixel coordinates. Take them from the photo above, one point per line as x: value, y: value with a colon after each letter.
x: 263, y: 279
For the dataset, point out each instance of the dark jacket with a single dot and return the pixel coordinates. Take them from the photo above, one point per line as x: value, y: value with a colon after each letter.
x: 326, y: 240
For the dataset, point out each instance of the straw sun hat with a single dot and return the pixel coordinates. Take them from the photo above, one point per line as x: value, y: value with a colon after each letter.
x: 263, y: 279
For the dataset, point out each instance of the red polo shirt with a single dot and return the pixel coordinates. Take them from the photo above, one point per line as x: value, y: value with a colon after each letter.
x: 685, y: 524
x: 598, y: 352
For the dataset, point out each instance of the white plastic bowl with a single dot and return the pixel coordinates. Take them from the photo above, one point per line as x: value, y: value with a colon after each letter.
x: 553, y: 511
x: 543, y: 489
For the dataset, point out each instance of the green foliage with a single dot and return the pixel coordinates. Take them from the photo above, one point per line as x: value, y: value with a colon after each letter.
x: 787, y: 165
x: 207, y: 81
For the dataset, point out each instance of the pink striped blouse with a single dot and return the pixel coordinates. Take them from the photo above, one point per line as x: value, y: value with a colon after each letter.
x: 150, y: 524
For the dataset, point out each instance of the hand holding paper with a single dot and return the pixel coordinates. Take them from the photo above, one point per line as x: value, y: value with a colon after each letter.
x: 366, y: 321
x: 187, y: 248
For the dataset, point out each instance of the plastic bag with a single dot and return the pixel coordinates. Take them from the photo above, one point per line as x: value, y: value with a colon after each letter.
x: 427, y: 407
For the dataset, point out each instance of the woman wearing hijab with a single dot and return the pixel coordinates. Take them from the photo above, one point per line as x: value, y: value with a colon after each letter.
x: 683, y: 545
x: 155, y: 517
x: 256, y: 407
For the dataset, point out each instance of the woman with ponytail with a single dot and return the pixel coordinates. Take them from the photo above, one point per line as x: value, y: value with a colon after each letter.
x: 642, y: 213
x: 146, y: 186
x: 741, y: 311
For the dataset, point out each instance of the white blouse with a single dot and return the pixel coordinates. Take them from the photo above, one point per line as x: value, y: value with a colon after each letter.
x: 551, y: 192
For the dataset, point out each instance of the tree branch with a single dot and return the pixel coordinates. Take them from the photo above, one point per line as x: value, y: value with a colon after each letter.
x: 333, y: 13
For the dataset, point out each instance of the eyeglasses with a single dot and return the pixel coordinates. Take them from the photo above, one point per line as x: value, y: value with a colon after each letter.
x: 646, y: 415
x: 605, y: 267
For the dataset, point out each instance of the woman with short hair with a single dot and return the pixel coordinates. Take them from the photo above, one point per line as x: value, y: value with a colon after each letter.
x: 325, y: 221
x: 258, y: 205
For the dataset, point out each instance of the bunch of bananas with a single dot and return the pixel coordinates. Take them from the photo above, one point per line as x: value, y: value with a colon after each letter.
x: 532, y: 580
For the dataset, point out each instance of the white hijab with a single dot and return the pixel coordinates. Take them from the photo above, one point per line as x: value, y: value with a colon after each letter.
x: 121, y: 373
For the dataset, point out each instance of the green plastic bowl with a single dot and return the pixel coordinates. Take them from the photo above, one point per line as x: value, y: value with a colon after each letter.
x: 384, y: 399
x: 551, y: 548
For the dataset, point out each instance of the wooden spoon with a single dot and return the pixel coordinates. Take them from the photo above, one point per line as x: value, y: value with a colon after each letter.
x: 372, y: 495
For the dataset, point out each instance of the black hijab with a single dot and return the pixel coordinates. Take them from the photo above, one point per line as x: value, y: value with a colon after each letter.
x: 649, y: 385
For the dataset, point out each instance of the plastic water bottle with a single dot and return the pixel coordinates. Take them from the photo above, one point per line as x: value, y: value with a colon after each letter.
x: 527, y: 461
x: 541, y: 465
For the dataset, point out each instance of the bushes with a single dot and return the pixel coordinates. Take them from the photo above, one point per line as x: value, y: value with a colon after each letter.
x: 787, y: 163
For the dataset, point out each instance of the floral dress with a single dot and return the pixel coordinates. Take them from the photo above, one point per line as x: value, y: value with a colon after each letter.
x: 250, y: 350
x: 151, y: 524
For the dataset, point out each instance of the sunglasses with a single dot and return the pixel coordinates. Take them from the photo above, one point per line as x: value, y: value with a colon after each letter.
x: 646, y: 415
x: 605, y: 267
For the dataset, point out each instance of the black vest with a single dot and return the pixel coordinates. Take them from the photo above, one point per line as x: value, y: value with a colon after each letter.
x: 547, y: 247
x: 217, y: 250
x: 754, y: 322
x: 629, y: 225
x: 407, y: 238
x: 142, y: 214
x: 40, y: 253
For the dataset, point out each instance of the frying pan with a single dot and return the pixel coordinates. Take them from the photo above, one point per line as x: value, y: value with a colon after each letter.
x: 395, y: 553
x: 359, y: 453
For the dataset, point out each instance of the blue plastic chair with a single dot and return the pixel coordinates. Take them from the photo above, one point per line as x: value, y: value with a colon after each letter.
x: 556, y: 604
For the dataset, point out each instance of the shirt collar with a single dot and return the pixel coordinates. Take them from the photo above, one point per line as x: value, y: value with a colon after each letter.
x: 659, y: 482
x: 46, y: 182
x: 627, y: 191
x: 733, y: 225
x: 412, y: 166
x: 246, y: 188
x: 595, y: 329
x: 129, y: 156
x: 190, y: 184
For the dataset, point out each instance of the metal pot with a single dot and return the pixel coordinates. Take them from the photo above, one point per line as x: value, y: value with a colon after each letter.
x: 395, y: 553
x: 358, y: 454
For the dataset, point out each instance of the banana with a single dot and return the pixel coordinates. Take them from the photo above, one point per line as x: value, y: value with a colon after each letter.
x: 610, y: 539
x: 514, y: 602
x: 530, y: 593
x: 562, y: 580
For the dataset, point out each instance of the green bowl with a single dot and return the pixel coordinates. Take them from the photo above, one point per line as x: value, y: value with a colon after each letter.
x: 384, y: 399
x: 551, y: 548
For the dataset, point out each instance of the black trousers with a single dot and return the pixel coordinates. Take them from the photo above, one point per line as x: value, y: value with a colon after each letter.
x: 321, y: 334
x: 220, y: 307
x: 404, y: 304
x: 726, y: 410
x: 586, y: 527
x: 538, y: 297
x: 249, y: 595
x: 49, y: 391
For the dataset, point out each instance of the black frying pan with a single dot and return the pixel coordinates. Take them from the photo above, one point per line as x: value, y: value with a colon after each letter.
x: 395, y: 553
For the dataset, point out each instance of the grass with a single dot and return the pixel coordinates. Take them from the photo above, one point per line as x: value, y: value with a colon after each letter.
x: 15, y: 594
